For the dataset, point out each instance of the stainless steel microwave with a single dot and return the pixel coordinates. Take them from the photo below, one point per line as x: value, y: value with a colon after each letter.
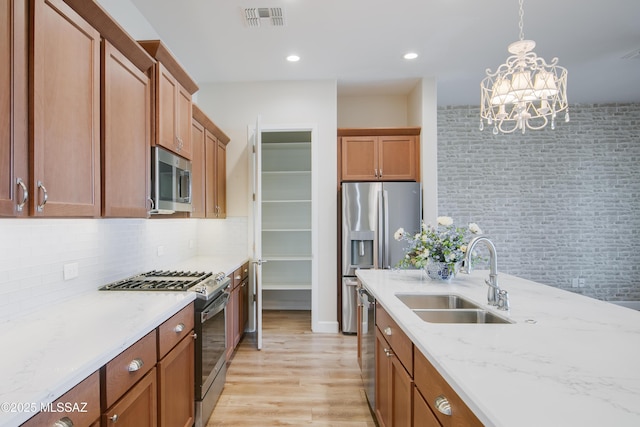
x: 170, y: 182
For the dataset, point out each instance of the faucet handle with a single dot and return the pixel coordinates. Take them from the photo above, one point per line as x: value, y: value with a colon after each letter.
x: 503, y: 300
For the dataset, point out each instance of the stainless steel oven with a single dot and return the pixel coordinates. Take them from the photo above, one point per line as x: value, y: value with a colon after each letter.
x: 210, y: 363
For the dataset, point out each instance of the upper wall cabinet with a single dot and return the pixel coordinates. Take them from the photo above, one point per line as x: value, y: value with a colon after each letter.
x: 386, y: 154
x: 14, y: 179
x: 209, y: 174
x: 126, y: 136
x: 173, y: 90
x: 65, y: 65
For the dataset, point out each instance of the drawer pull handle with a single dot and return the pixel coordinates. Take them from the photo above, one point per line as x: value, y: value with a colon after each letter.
x: 63, y: 422
x: 114, y: 419
x: 25, y: 194
x: 179, y: 328
x: 443, y: 406
x: 387, y: 331
x: 135, y: 365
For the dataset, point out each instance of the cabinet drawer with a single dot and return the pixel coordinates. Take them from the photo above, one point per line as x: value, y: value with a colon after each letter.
x: 173, y: 330
x: 422, y: 415
x: 398, y: 340
x: 80, y: 405
x: 128, y: 367
x: 432, y: 387
x: 236, y: 278
x: 245, y: 270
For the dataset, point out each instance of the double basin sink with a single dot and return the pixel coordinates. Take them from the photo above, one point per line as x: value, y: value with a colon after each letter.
x: 448, y: 308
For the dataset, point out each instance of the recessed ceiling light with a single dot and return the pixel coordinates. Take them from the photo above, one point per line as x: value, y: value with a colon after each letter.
x: 293, y: 58
x: 410, y: 55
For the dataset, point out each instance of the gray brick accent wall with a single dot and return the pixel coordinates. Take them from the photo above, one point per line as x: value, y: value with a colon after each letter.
x: 559, y: 204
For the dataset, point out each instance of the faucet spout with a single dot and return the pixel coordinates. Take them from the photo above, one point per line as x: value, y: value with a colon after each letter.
x: 493, y: 290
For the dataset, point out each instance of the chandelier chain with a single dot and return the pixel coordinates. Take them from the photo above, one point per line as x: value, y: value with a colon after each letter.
x: 521, y: 24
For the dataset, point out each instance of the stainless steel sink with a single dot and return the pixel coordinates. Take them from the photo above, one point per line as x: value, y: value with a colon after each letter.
x: 460, y: 316
x: 438, y: 302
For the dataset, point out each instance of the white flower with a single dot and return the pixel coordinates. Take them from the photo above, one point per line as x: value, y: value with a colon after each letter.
x: 473, y: 227
x: 463, y: 248
x: 399, y: 234
x: 445, y: 220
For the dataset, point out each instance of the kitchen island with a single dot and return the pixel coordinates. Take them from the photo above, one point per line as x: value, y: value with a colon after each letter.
x: 566, y: 360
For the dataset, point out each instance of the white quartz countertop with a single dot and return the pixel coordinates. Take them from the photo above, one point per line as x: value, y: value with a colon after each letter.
x: 47, y: 353
x: 568, y: 360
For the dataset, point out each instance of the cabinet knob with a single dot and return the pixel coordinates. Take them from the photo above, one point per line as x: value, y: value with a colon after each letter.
x: 238, y: 277
x: 442, y: 405
x: 63, y: 422
x: 179, y: 328
x: 135, y: 365
x: 388, y: 352
x: 194, y: 335
x: 387, y: 331
x: 114, y: 419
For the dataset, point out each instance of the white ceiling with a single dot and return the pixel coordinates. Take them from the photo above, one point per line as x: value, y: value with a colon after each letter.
x: 360, y: 43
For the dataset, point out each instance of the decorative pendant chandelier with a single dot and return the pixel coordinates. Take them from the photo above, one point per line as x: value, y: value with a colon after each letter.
x: 525, y: 92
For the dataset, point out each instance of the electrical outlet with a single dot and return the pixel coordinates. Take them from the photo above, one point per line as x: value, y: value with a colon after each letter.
x: 581, y: 283
x: 70, y: 271
x: 160, y: 250
x: 575, y: 282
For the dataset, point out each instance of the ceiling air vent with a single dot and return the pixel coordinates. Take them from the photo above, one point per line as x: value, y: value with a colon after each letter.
x: 264, y: 16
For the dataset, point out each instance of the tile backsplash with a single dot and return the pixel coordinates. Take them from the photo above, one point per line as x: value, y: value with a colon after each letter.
x: 33, y: 253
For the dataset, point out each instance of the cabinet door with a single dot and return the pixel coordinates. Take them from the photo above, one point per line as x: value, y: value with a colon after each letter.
x: 166, y: 106
x: 138, y: 407
x: 422, y: 415
x: 244, y: 306
x: 126, y: 136
x: 66, y: 112
x: 397, y: 159
x: 383, y: 382
x: 13, y: 109
x: 210, y: 147
x: 401, y: 394
x: 230, y: 314
x: 198, y: 169
x: 176, y: 386
x: 359, y: 158
x: 221, y: 180
x: 183, y: 121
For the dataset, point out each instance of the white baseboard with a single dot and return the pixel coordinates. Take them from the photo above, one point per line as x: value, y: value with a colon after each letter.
x: 325, y: 327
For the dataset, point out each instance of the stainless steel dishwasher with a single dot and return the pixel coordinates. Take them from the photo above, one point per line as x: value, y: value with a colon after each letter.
x: 367, y: 339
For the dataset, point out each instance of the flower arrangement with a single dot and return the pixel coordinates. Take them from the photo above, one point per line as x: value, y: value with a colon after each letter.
x: 443, y: 243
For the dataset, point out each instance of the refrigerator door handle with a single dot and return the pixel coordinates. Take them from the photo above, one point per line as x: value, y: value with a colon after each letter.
x: 385, y: 231
x: 380, y: 232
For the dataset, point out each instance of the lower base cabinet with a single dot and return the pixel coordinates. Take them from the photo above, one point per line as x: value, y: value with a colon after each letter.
x: 422, y: 415
x: 138, y: 407
x: 176, y: 379
x: 394, y: 387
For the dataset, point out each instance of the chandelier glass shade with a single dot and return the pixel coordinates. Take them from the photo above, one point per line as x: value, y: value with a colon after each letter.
x: 525, y: 92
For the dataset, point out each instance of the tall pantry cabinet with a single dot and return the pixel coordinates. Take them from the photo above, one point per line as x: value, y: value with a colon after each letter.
x: 286, y: 219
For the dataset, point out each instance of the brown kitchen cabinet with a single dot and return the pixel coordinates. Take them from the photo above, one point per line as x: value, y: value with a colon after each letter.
x: 237, y: 310
x: 138, y: 406
x: 126, y: 136
x: 433, y: 389
x: 386, y: 154
x: 79, y: 407
x: 394, y: 370
x: 65, y: 120
x: 209, y: 190
x: 173, y: 89
x: 14, y: 150
x: 176, y: 370
x: 422, y: 415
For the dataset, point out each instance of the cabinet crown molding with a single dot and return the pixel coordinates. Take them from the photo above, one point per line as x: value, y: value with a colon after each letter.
x: 161, y: 53
x: 201, y: 117
x: 383, y: 131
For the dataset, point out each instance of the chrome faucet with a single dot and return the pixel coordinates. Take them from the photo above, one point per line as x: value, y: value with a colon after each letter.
x: 495, y: 295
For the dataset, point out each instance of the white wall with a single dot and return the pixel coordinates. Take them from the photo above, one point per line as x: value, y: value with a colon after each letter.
x: 234, y: 107
x: 372, y: 111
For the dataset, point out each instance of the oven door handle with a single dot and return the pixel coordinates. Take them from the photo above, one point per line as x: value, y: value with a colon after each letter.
x: 216, y: 307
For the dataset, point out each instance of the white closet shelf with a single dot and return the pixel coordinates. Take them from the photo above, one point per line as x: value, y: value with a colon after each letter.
x: 293, y: 172
x: 285, y: 286
x: 265, y: 257
x: 286, y: 230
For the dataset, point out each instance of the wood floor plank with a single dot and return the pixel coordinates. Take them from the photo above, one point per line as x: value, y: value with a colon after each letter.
x: 298, y: 379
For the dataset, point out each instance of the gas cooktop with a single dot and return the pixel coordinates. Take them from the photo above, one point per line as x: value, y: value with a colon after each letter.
x: 204, y: 284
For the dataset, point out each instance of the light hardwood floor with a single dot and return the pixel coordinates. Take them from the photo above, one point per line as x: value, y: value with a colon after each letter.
x: 297, y: 379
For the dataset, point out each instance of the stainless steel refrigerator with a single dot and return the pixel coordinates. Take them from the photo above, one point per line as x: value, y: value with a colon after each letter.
x: 371, y: 214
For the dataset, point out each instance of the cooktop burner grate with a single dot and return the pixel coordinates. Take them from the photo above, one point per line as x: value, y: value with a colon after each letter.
x: 159, y: 280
